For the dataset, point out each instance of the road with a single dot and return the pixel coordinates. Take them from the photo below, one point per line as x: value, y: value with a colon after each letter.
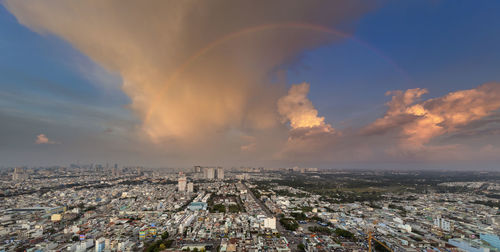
x: 292, y: 239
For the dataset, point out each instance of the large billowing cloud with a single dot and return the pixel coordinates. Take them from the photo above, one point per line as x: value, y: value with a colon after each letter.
x: 309, y: 132
x: 297, y: 109
x: 407, y: 131
x: 419, y: 122
x: 191, y: 68
x: 212, y: 70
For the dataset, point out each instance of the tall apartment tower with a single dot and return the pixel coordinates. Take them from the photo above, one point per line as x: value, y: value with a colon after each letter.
x: 197, y: 169
x: 182, y: 183
x: 18, y: 174
x: 190, y: 187
x: 209, y: 172
x: 115, y: 171
x: 220, y: 173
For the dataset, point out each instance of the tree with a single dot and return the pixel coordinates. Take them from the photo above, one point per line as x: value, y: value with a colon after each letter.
x: 162, y: 247
x: 165, y: 235
x: 344, y: 233
x: 301, y: 247
x: 168, y: 243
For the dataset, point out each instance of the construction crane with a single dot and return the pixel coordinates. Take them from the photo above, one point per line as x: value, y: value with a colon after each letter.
x: 370, y: 238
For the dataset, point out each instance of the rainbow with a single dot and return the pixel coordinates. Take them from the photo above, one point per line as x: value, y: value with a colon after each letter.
x: 311, y: 27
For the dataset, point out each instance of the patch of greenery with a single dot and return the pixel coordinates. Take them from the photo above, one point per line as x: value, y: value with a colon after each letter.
x: 344, y: 233
x: 289, y: 224
x: 234, y: 209
x: 298, y: 216
x: 321, y: 230
x: 218, y: 208
x: 301, y: 247
x: 160, y: 245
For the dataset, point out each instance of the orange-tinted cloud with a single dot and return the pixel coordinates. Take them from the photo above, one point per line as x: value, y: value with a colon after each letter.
x: 403, y: 134
x: 228, y: 91
x: 149, y: 42
x: 43, y: 139
x: 297, y: 109
x: 419, y: 122
x: 249, y: 144
x: 309, y: 133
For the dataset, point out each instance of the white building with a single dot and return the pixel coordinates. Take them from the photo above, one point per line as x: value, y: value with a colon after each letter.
x: 197, y: 169
x: 19, y: 174
x: 220, y: 173
x: 190, y: 187
x: 270, y: 223
x: 442, y: 224
x: 209, y: 173
x: 182, y: 184
x: 100, y: 244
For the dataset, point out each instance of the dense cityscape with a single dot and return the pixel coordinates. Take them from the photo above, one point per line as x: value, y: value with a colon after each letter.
x: 114, y: 208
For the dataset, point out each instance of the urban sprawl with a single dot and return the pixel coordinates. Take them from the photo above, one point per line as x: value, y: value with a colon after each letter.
x: 115, y: 208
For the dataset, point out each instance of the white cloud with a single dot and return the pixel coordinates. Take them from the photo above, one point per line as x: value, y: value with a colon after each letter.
x: 43, y: 139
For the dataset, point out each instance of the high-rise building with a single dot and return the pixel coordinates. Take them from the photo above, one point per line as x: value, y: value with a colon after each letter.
x: 115, y: 171
x: 18, y: 174
x: 190, y: 187
x: 220, y: 173
x: 100, y: 244
x: 209, y: 173
x: 197, y: 169
x: 442, y: 224
x: 181, y: 183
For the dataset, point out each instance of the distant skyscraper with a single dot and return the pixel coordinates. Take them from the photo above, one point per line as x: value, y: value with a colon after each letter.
x: 190, y: 187
x: 209, y: 172
x: 197, y: 169
x: 220, y: 173
x: 18, y: 174
x: 181, y: 183
x: 115, y: 171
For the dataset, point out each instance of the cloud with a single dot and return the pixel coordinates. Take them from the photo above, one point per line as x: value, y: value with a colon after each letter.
x: 250, y: 143
x: 192, y: 68
x: 417, y: 123
x: 43, y: 139
x: 297, y: 109
x: 408, y: 131
x: 396, y: 114
x: 309, y: 133
x: 206, y: 71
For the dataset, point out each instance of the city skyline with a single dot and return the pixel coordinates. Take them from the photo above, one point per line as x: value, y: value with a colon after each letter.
x: 337, y: 84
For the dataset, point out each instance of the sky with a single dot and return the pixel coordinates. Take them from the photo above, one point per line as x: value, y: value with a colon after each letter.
x: 328, y: 84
